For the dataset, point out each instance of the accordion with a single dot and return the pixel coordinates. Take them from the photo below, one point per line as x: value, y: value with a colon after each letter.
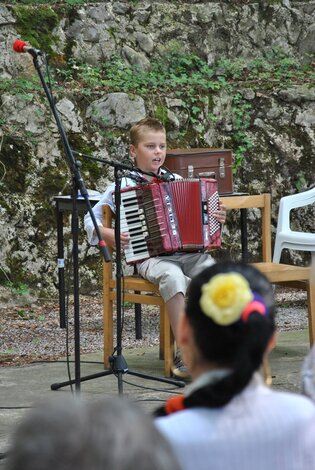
x: 168, y: 217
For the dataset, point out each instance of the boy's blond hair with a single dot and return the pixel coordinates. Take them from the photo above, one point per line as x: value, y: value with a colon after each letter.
x: 146, y: 124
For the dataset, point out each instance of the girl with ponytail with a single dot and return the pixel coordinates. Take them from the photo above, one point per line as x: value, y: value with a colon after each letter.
x: 228, y: 418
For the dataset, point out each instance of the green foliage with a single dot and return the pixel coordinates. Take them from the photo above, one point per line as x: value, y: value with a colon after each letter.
x: 8, y: 351
x: 48, y: 2
x: 36, y: 24
x: 89, y: 77
x: 19, y: 289
x: 75, y: 2
x: 188, y: 77
x: 241, y: 121
x: 29, y: 314
x: 161, y: 114
x: 173, y: 73
x: 275, y: 68
x: 185, y: 75
x: 21, y: 313
x: 300, y: 182
x: 22, y: 87
x: 22, y: 289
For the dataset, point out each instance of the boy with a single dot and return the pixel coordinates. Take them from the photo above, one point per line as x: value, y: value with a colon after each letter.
x: 171, y: 273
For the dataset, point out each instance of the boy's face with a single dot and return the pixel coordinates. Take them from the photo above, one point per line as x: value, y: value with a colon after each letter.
x: 150, y: 152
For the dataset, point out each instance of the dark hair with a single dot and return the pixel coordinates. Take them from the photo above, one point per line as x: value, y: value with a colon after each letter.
x: 147, y: 123
x: 239, y: 346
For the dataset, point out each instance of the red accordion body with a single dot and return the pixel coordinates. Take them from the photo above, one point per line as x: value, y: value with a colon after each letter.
x: 167, y: 217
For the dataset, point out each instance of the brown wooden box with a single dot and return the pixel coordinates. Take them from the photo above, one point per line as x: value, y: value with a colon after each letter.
x: 203, y: 160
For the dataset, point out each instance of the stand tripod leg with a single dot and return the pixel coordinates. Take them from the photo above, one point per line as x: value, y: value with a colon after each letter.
x: 119, y: 368
x: 177, y: 383
x: 56, y: 386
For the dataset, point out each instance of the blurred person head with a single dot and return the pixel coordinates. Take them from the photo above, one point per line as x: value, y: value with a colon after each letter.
x: 71, y: 434
x: 228, y: 324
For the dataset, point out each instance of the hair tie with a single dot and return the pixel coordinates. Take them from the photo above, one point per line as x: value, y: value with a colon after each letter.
x: 174, y: 404
x: 257, y: 305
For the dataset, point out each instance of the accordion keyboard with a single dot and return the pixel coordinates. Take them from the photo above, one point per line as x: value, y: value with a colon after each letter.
x: 132, y: 221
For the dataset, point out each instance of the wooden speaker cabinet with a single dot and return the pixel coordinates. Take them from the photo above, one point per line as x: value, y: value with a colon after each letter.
x: 193, y: 162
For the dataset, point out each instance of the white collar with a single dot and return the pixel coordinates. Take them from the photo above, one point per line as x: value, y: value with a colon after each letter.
x: 215, y: 375
x: 207, y: 378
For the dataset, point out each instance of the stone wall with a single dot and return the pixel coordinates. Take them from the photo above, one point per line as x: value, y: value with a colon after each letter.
x: 279, y: 120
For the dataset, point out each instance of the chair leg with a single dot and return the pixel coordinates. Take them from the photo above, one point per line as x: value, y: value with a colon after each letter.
x: 108, y: 330
x: 162, y: 327
x: 277, y: 252
x: 266, y: 372
x: 138, y: 319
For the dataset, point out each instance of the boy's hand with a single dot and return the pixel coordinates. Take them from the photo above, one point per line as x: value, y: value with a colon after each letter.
x: 109, y: 236
x: 220, y: 214
x: 124, y: 239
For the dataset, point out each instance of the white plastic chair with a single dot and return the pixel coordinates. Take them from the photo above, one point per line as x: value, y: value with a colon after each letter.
x: 287, y: 238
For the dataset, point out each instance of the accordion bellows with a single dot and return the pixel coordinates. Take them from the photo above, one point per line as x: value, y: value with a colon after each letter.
x: 169, y: 217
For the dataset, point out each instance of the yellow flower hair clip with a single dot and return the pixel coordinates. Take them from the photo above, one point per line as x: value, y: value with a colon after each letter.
x: 224, y: 298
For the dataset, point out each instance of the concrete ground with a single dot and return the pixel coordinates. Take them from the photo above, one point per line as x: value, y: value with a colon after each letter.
x: 23, y: 387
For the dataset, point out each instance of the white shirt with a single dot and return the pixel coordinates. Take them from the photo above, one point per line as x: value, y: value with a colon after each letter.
x: 260, y: 429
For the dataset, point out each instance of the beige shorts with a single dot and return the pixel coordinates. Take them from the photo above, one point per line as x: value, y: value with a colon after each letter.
x: 173, y: 273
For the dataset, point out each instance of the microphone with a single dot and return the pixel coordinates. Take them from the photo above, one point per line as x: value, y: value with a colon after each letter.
x: 22, y: 47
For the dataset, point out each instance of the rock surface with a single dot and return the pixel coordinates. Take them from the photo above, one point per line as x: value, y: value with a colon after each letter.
x: 277, y: 121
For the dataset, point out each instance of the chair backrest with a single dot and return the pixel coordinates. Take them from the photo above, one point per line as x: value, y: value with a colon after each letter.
x: 293, y: 201
x: 260, y: 201
x: 107, y: 222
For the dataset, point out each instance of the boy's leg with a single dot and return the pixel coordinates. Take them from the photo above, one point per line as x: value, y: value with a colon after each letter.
x: 168, y: 275
x: 173, y: 275
x: 193, y: 263
x: 175, y: 306
x: 172, y: 285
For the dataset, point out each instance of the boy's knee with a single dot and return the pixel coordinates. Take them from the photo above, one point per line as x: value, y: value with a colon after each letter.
x: 171, y: 285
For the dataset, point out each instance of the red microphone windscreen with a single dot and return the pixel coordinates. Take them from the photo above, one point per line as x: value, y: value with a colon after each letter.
x: 19, y: 45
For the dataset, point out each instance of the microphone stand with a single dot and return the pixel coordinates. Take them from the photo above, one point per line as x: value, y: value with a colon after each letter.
x: 118, y: 364
x: 77, y: 184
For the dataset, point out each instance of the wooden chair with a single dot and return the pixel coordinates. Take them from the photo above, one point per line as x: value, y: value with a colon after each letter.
x: 138, y: 291
x: 282, y: 274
